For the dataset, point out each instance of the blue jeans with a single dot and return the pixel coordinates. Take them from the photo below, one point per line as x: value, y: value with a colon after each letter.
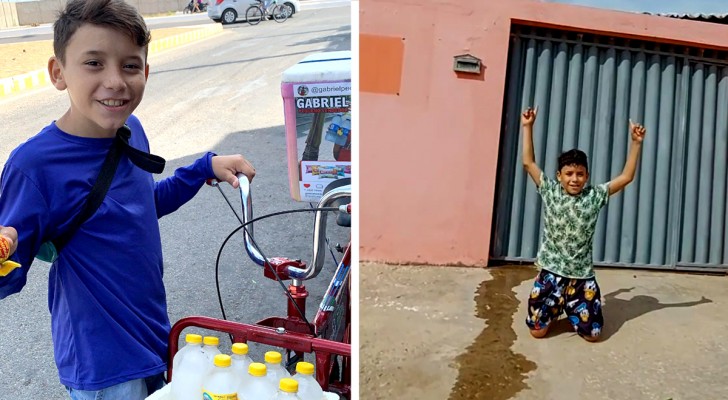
x: 137, y: 389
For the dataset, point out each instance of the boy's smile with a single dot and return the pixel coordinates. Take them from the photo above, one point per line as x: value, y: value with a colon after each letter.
x: 573, y: 178
x: 105, y: 73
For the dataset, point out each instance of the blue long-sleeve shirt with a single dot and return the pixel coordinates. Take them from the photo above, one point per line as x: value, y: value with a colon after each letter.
x: 105, y: 291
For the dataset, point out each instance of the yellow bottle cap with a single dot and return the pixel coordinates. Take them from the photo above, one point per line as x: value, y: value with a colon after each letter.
x: 222, y: 360
x: 240, y: 348
x: 193, y: 338
x: 211, y: 340
x: 288, y: 385
x: 257, y: 369
x: 273, y: 357
x: 304, y: 368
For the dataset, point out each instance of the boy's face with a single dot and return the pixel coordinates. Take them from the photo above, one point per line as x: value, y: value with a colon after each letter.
x: 573, y: 178
x: 105, y: 73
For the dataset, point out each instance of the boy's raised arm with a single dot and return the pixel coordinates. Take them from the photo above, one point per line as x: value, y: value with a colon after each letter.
x: 529, y: 159
x: 619, y: 182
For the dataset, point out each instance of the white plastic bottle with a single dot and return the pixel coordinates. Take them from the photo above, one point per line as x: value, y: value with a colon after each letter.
x: 187, y: 376
x: 221, y: 383
x: 240, y: 360
x: 276, y: 371
x: 287, y: 390
x: 308, y: 386
x: 257, y: 386
x: 211, y: 347
x: 193, y: 342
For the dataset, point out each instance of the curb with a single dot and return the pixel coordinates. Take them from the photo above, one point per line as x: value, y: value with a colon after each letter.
x: 39, y: 78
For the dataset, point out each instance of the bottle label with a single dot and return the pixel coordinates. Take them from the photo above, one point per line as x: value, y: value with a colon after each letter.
x: 206, y: 395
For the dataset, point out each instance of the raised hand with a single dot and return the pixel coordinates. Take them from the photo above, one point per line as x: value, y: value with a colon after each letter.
x: 529, y: 116
x: 637, y: 131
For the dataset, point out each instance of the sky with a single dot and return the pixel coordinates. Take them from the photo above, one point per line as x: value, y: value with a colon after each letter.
x: 656, y: 6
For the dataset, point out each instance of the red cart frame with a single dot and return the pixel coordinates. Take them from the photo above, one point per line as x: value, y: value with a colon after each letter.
x: 298, y: 342
x: 292, y: 332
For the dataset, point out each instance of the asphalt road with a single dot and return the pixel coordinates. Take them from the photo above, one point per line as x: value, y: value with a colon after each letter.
x: 45, y: 31
x: 221, y: 95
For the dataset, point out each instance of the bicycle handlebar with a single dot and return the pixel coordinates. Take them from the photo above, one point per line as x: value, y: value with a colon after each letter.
x: 247, y: 201
x: 319, y: 230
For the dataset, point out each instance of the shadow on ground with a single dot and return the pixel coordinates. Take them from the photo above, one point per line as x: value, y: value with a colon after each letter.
x: 618, y: 311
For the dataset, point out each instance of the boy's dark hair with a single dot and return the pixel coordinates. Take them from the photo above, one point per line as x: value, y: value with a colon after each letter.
x: 115, y: 14
x: 573, y: 157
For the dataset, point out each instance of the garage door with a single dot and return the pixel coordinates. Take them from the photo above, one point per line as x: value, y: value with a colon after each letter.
x: 673, y: 215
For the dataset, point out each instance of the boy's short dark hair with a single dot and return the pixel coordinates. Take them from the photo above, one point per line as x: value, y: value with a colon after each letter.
x: 115, y: 14
x: 573, y: 157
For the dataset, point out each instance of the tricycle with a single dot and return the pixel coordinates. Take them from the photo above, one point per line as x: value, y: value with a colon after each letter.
x: 328, y: 336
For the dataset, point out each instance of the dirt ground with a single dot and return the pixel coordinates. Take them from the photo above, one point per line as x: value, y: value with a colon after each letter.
x: 460, y: 334
x: 19, y: 58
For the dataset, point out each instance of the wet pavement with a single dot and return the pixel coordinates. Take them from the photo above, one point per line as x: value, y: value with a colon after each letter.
x: 489, y: 369
x: 459, y: 333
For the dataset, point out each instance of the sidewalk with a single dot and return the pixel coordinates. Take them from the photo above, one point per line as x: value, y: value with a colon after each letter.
x: 23, y: 66
x: 459, y: 333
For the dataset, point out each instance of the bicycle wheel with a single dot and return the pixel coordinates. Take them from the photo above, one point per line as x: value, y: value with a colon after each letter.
x: 280, y: 13
x: 254, y: 14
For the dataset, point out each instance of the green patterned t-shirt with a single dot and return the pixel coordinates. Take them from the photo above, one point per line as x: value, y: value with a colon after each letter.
x: 569, y: 225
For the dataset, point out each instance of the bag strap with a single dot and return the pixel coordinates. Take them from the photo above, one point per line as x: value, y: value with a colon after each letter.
x: 148, y: 162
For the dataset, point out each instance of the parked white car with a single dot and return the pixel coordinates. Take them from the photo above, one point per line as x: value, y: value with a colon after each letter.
x: 228, y: 11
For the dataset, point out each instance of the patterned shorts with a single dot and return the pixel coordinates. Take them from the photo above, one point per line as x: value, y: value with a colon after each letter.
x: 553, y: 294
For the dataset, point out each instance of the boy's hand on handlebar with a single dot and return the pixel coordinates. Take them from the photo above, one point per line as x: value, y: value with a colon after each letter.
x: 227, y: 167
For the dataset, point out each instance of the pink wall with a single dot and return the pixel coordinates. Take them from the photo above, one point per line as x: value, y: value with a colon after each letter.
x: 428, y: 156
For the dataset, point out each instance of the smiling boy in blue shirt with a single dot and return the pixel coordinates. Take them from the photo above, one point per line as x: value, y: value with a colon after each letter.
x: 105, y: 290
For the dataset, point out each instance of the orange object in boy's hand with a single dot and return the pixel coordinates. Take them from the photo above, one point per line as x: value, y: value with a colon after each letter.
x: 6, y: 249
x: 5, y: 245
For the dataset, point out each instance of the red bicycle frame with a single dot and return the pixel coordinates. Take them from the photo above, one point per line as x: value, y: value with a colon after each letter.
x: 332, y: 329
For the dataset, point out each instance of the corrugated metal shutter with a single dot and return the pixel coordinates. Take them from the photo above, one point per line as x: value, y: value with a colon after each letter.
x: 587, y: 87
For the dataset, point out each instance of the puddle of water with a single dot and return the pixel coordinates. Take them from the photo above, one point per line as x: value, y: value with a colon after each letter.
x: 489, y: 369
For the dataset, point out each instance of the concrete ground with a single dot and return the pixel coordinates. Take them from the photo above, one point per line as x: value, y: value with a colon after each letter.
x: 459, y: 333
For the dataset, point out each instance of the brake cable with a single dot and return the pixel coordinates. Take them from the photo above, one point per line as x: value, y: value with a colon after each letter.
x: 267, y: 263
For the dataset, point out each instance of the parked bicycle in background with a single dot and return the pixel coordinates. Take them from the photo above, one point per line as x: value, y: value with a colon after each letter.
x: 262, y: 9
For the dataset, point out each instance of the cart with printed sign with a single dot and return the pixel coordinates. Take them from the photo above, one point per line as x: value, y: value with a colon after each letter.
x: 317, y: 106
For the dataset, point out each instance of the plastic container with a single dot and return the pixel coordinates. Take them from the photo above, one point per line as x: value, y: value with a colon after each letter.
x: 308, y: 387
x: 221, y: 383
x: 211, y: 347
x: 193, y: 342
x: 188, y: 375
x: 276, y: 371
x: 257, y: 386
x: 240, y: 360
x: 288, y: 389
